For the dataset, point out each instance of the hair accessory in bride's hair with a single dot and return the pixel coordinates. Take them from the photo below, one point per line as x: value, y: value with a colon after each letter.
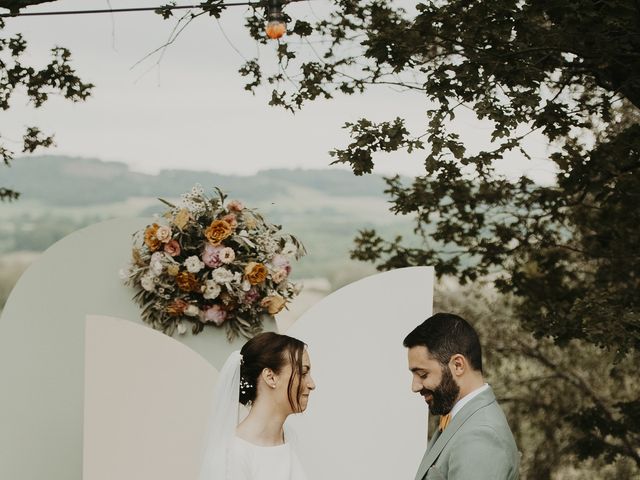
x: 244, y: 386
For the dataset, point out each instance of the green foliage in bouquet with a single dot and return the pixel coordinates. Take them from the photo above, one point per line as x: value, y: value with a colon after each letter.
x: 211, y: 262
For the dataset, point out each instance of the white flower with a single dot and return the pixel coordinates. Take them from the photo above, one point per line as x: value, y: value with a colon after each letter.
x: 246, y: 285
x: 271, y: 246
x: 193, y: 264
x: 148, y: 283
x: 227, y: 255
x: 163, y: 234
x: 222, y: 275
x: 192, y: 311
x: 211, y: 290
x: 182, y: 328
x: 155, y: 264
x: 157, y: 257
x: 156, y: 268
x: 125, y: 272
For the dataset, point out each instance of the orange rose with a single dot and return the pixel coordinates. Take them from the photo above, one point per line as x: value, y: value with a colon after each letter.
x: 218, y: 231
x: 177, y: 307
x: 273, y: 303
x: 187, y: 282
x: 150, y: 239
x: 255, y: 272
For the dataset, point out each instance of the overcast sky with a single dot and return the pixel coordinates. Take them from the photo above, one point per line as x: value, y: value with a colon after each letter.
x: 191, y: 110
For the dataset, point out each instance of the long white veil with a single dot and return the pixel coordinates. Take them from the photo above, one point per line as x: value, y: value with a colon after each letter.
x: 223, y: 420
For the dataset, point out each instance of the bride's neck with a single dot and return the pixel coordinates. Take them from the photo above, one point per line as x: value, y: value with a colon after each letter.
x: 263, y: 425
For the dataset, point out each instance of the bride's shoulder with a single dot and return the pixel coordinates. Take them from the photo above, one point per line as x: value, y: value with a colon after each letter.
x: 239, y: 458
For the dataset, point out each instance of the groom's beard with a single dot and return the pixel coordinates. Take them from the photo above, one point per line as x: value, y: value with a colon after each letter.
x: 443, y: 398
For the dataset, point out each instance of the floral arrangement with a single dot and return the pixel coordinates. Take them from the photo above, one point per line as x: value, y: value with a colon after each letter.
x: 211, y: 262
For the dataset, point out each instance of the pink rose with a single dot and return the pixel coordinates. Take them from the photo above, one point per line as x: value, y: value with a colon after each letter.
x: 211, y: 255
x: 231, y: 219
x: 215, y: 314
x: 252, y: 295
x: 235, y: 206
x: 280, y: 262
x: 172, y: 247
x: 279, y: 275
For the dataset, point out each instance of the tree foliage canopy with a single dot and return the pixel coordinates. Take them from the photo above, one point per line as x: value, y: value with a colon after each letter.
x: 569, y: 71
x: 37, y: 84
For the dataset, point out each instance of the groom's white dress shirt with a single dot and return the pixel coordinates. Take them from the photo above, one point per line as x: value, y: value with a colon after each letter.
x: 467, y: 398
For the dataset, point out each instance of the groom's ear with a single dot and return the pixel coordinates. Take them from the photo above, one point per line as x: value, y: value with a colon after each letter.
x: 458, y: 364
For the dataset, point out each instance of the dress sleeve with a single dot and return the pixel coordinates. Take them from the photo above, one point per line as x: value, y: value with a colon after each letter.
x: 239, y: 464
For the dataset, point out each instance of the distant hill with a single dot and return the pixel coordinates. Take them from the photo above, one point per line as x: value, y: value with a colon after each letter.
x: 67, y: 181
x: 324, y: 208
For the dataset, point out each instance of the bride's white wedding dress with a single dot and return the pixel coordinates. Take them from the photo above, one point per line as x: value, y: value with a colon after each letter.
x: 247, y: 461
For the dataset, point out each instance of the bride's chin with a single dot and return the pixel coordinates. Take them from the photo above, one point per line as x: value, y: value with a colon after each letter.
x: 302, y: 406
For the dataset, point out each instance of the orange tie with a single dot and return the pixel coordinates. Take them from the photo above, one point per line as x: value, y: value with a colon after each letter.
x: 444, y: 421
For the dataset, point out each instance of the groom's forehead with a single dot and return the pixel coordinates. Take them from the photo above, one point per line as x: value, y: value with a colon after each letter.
x: 419, y: 356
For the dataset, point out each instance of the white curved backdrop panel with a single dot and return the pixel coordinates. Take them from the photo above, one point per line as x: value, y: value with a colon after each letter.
x: 145, y: 412
x: 145, y: 399
x: 42, y: 347
x: 363, y: 421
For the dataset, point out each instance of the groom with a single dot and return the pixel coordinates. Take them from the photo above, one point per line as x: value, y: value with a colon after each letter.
x: 473, y: 441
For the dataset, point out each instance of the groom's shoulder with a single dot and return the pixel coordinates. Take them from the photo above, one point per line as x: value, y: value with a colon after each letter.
x: 488, y: 421
x: 491, y: 414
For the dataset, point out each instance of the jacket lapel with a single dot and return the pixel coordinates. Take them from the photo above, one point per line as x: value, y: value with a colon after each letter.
x: 422, y: 469
x: 440, y: 440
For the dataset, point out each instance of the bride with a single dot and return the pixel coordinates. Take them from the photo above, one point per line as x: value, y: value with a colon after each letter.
x: 271, y: 374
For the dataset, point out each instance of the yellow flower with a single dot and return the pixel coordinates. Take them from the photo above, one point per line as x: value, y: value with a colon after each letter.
x: 249, y: 221
x: 218, y: 231
x: 273, y: 303
x: 181, y: 219
x: 173, y: 269
x: 137, y: 258
x: 255, y: 272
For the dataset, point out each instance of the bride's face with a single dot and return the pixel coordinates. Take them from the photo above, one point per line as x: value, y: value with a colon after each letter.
x: 299, y: 386
x: 305, y: 383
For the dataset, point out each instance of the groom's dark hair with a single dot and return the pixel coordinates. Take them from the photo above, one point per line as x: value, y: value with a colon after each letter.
x: 445, y: 335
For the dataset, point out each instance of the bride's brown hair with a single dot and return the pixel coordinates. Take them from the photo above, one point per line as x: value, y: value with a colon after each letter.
x: 273, y: 351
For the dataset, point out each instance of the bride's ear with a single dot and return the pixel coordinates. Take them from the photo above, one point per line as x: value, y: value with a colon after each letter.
x: 269, y: 377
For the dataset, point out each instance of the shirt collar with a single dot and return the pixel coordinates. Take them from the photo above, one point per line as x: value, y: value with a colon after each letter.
x: 467, y: 398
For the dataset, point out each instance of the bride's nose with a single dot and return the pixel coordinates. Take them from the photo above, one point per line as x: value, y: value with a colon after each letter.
x: 311, y: 385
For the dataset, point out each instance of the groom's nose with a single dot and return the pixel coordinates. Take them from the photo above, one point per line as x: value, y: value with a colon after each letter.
x: 416, y: 385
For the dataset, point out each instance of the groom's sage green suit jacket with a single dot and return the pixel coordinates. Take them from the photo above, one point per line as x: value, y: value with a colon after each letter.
x: 476, y: 445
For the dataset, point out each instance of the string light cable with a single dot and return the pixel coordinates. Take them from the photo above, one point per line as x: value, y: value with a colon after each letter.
x: 269, y: 3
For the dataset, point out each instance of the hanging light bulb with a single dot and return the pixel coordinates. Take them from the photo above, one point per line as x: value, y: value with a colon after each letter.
x: 276, y: 26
